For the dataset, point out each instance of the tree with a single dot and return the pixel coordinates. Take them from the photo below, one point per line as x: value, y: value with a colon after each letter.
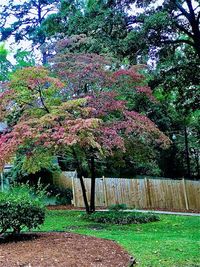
x: 50, y: 123
x: 5, y: 64
x: 26, y: 18
x: 166, y: 33
x: 104, y: 24
x: 7, y: 67
x: 127, y: 34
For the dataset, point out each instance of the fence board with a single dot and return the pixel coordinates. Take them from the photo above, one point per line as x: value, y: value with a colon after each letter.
x: 142, y: 193
x: 193, y: 194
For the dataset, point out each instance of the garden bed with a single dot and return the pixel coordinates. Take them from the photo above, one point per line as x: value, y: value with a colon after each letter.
x: 61, y: 249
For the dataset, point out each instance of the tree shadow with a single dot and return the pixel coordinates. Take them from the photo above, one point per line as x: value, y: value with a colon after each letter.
x: 10, y: 238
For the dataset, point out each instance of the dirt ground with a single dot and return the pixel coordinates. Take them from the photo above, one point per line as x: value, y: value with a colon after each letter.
x: 61, y: 249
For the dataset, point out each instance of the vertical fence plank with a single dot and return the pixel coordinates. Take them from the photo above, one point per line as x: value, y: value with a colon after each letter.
x: 74, y: 193
x: 148, y: 193
x: 141, y: 193
x: 185, y: 194
x: 193, y: 193
x: 105, y: 192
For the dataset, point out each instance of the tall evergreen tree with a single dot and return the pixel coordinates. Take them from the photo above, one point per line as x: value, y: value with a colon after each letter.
x: 23, y: 21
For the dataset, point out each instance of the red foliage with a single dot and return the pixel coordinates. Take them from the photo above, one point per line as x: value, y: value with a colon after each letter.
x: 146, y: 90
x: 99, y: 120
x: 130, y: 73
x: 83, y: 72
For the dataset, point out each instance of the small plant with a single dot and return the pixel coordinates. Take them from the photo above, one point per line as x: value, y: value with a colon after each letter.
x: 63, y: 195
x: 21, y: 207
x: 121, y: 217
x: 118, y: 207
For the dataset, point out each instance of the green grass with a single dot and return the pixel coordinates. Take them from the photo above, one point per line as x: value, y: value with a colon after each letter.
x: 173, y: 241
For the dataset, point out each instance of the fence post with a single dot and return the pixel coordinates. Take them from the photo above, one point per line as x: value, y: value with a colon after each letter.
x: 146, y: 182
x: 74, y: 193
x: 185, y: 194
x: 2, y: 187
x: 105, y: 191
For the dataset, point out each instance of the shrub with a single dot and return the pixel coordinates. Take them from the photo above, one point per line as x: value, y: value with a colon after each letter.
x: 121, y: 217
x: 63, y: 195
x: 21, y: 207
x: 117, y: 207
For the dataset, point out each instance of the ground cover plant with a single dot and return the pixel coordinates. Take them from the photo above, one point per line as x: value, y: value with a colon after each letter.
x: 120, y: 217
x: 117, y: 207
x: 172, y: 241
x: 20, y: 208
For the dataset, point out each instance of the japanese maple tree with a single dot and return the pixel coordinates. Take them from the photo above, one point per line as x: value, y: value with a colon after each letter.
x: 81, y: 112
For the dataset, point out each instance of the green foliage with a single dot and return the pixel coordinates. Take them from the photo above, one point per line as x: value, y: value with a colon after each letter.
x: 121, y: 217
x: 38, y: 161
x: 105, y: 25
x: 21, y: 208
x: 63, y: 195
x: 23, y: 59
x: 45, y: 173
x: 23, y: 19
x: 117, y: 207
x: 5, y: 64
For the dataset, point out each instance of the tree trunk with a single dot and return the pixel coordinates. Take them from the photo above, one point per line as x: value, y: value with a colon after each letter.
x: 87, y: 208
x: 187, y: 152
x: 92, y: 197
x: 44, y: 58
x: 80, y: 171
x: 197, y: 162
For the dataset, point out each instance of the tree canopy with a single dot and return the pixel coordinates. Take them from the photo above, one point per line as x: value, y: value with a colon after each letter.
x: 23, y: 20
x: 142, y: 56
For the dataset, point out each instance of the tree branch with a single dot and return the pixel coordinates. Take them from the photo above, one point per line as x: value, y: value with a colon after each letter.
x: 42, y: 100
x: 189, y: 4
x: 183, y: 11
x: 180, y: 27
x: 134, y: 20
x: 178, y: 42
x: 198, y: 18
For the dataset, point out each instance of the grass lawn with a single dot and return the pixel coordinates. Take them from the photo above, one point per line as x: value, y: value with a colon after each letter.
x: 173, y: 241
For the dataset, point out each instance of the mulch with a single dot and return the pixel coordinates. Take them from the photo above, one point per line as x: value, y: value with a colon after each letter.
x: 60, y: 249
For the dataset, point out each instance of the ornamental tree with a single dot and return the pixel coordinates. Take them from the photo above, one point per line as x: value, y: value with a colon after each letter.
x: 89, y: 72
x: 52, y: 122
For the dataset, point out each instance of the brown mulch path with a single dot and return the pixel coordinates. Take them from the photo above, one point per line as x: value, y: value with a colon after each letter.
x: 61, y: 250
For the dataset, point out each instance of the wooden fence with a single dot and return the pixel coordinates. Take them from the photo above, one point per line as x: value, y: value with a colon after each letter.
x: 141, y: 193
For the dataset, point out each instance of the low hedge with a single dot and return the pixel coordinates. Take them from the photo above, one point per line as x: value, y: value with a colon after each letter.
x: 117, y: 207
x: 20, y: 208
x: 121, y: 217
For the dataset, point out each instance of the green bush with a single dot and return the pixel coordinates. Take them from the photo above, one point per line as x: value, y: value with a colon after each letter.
x: 118, y: 207
x: 63, y: 195
x: 21, y: 207
x: 121, y: 217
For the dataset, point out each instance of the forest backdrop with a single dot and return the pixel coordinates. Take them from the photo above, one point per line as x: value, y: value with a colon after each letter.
x: 138, y: 59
